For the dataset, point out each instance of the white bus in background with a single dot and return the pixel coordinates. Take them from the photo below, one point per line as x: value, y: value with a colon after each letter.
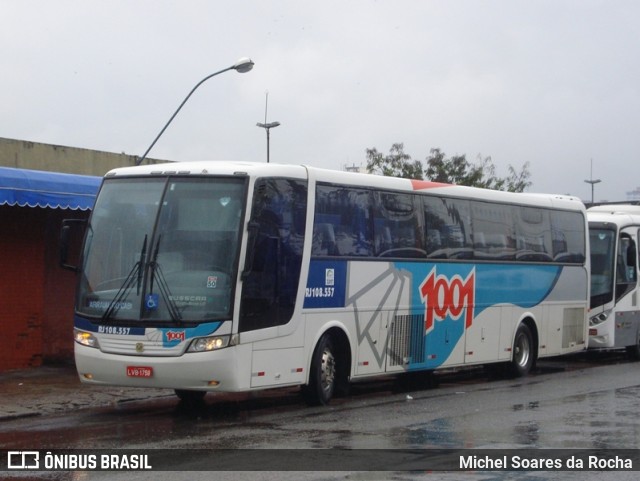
x: 221, y: 276
x: 615, y: 295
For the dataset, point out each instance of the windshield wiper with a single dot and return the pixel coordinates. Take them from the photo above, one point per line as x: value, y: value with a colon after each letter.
x: 163, y: 287
x: 116, y: 302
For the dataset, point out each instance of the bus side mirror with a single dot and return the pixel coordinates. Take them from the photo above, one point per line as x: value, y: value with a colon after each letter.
x: 66, y: 235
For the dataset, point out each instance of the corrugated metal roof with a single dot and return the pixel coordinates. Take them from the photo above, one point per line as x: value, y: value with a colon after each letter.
x: 35, y: 188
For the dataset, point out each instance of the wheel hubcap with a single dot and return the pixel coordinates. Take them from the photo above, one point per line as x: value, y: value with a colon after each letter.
x: 328, y: 372
x: 522, y: 351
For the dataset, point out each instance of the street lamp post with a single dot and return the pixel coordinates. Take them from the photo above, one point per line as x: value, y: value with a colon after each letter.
x: 267, y: 126
x: 593, y: 182
x: 243, y: 65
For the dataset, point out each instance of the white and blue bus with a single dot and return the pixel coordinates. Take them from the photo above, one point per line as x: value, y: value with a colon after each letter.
x: 222, y: 276
x: 615, y: 293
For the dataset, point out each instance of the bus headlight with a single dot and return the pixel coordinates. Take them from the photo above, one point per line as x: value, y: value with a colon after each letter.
x: 212, y: 343
x: 85, y: 338
x: 600, y: 318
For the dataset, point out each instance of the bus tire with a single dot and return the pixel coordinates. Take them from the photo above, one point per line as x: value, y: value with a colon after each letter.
x: 523, y: 352
x: 322, y: 376
x: 189, y: 396
x: 633, y: 351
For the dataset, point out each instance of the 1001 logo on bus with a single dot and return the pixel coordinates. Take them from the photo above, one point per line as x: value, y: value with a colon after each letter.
x: 444, y: 297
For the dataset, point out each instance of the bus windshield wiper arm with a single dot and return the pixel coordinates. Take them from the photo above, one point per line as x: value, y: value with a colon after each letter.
x: 140, y: 263
x: 163, y: 287
x: 115, y: 303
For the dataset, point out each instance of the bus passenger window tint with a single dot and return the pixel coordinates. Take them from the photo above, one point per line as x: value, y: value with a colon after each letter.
x: 533, y: 234
x: 568, y: 237
x: 271, y: 282
x: 493, y: 232
x: 342, y: 225
x: 448, y: 227
x: 397, y: 226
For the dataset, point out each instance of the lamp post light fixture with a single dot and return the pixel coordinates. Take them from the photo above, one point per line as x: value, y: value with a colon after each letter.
x: 593, y: 182
x: 268, y: 127
x: 243, y: 65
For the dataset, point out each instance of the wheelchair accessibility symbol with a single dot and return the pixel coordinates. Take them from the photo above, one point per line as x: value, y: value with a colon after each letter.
x: 151, y: 302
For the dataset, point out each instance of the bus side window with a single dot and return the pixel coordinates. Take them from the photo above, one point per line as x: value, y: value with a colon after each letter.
x: 534, y: 239
x: 626, y: 271
x: 397, y: 225
x: 493, y: 231
x: 448, y: 228
x: 342, y: 223
x: 569, y: 244
x: 270, y: 283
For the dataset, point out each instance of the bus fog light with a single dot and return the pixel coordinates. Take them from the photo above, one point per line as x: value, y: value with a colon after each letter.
x: 212, y: 343
x: 85, y: 338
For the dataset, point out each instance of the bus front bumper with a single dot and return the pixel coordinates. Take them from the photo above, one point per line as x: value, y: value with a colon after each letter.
x: 599, y: 341
x: 202, y: 371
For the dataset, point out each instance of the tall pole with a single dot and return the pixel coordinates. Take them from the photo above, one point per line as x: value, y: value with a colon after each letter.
x: 242, y: 65
x: 268, y: 129
x: 593, y: 182
x: 267, y: 126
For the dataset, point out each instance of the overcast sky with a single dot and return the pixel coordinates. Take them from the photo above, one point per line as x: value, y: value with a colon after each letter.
x: 554, y: 83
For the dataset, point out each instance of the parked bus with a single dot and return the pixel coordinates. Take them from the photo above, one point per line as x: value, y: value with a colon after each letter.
x: 615, y: 312
x: 220, y: 276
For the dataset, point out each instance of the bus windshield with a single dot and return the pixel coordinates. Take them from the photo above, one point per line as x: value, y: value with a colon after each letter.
x: 602, y: 242
x: 162, y: 249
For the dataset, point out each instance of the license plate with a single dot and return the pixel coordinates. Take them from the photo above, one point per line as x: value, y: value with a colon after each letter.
x: 139, y: 371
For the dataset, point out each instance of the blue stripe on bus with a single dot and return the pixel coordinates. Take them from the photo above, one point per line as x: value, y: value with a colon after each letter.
x: 440, y: 294
x: 523, y: 286
x: 170, y: 335
x: 493, y: 284
x: 87, y: 325
x: 326, y: 285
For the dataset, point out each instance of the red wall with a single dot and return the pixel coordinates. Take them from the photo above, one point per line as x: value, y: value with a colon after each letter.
x: 36, y: 296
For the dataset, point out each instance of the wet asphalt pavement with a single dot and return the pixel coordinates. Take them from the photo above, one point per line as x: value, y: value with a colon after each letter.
x: 574, y: 403
x: 56, y: 389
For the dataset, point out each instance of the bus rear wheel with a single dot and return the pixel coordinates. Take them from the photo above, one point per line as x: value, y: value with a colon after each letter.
x: 322, y: 377
x: 523, y: 352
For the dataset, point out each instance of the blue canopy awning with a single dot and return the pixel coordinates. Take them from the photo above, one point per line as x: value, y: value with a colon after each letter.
x: 35, y: 188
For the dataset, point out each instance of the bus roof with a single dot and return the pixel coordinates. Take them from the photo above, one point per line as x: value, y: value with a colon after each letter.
x: 255, y: 169
x: 619, y: 218
x: 616, y: 208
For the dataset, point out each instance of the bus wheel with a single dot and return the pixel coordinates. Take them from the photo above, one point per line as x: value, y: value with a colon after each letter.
x: 190, y: 396
x: 634, y: 351
x: 523, y: 356
x: 322, y: 377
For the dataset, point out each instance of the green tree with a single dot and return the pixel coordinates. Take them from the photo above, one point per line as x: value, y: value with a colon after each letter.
x: 396, y: 164
x: 453, y: 170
